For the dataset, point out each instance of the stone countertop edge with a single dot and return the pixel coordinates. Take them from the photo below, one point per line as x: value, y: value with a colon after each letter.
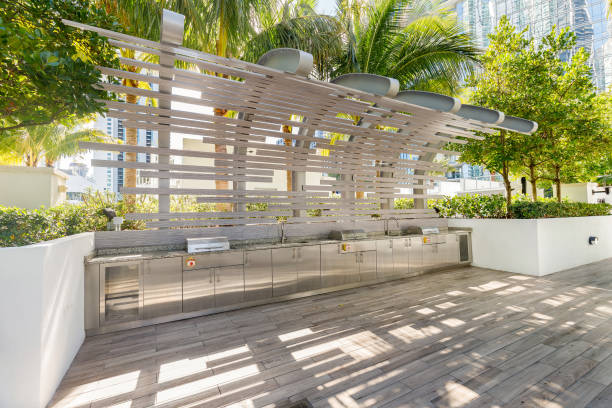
x: 159, y: 254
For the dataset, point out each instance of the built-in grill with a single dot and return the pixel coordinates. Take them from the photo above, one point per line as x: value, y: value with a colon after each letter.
x: 195, y: 245
x: 348, y: 234
x: 416, y: 229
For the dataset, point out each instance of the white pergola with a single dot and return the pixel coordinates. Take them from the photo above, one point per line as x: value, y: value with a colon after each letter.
x: 377, y: 128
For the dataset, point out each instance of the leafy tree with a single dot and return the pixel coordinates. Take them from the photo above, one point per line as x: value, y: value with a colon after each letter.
x: 418, y: 42
x: 47, y: 70
x: 533, y: 81
x: 49, y: 142
x: 495, y: 87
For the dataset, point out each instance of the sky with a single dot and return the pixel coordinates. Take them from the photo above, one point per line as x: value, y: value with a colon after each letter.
x: 326, y: 6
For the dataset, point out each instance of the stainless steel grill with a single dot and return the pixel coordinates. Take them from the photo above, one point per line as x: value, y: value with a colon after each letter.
x: 348, y: 234
x: 195, y: 245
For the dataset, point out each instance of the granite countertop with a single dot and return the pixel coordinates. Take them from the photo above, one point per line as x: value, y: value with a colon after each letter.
x: 158, y: 254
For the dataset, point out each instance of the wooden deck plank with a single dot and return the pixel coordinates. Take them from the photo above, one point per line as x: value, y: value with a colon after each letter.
x: 468, y: 337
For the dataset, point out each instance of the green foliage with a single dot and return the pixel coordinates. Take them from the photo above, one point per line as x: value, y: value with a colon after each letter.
x: 494, y: 206
x: 529, y: 80
x: 19, y: 226
x: 528, y: 209
x: 31, y: 144
x: 47, y: 70
x: 471, y: 206
x: 418, y: 42
x: 403, y: 203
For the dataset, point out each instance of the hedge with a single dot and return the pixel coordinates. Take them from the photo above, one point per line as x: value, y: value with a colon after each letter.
x: 526, y: 209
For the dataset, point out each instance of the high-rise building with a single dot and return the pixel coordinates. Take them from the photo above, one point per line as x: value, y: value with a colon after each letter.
x: 586, y: 18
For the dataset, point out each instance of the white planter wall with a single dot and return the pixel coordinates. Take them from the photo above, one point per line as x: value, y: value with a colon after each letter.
x: 538, y: 247
x: 41, y: 317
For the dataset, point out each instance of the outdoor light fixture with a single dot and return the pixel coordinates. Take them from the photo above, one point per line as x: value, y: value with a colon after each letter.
x: 593, y: 240
x: 430, y: 100
x: 519, y: 125
x: 288, y: 60
x: 481, y: 114
x: 376, y: 84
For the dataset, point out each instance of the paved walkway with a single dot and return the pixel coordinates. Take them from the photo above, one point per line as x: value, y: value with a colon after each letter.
x: 463, y: 338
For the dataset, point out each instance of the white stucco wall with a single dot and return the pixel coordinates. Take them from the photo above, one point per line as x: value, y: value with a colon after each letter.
x: 538, y: 247
x: 31, y: 187
x: 41, y: 317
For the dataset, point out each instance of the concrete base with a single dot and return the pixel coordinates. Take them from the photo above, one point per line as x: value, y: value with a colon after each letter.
x: 538, y: 247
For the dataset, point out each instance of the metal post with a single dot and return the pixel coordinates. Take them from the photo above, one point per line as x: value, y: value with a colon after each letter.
x: 172, y: 30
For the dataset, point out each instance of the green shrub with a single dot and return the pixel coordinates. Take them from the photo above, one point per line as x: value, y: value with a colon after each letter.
x: 527, y: 209
x: 403, y: 203
x: 471, y: 206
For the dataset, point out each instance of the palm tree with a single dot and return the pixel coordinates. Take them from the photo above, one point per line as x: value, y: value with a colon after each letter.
x: 418, y: 42
x: 46, y: 142
x: 142, y: 18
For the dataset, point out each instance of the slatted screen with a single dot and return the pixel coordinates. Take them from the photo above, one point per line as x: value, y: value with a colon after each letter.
x: 356, y: 152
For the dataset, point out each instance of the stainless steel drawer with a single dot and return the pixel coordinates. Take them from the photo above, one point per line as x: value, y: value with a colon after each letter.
x: 257, y: 275
x: 308, y: 265
x: 213, y: 260
x: 198, y: 289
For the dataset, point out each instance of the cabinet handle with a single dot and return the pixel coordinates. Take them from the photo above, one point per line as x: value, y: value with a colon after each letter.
x: 293, y: 256
x: 210, y: 280
x: 218, y: 277
x: 299, y: 253
x: 361, y: 257
x: 390, y: 244
x: 246, y: 256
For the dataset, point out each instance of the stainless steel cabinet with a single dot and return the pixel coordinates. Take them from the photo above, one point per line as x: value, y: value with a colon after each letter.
x: 121, y: 292
x: 198, y: 289
x: 92, y: 296
x: 334, y: 265
x: 257, y: 275
x: 384, y: 258
x: 229, y: 285
x: 162, y: 287
x: 451, y: 249
x: 431, y: 253
x: 284, y: 274
x: 415, y: 255
x: 401, y: 249
x: 308, y: 267
x: 367, y: 265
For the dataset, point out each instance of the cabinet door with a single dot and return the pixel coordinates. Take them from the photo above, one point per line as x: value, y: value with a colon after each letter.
x: 334, y: 265
x: 384, y: 258
x: 120, y: 292
x: 400, y: 256
x: 415, y: 256
x: 229, y: 285
x: 198, y: 289
x: 163, y: 287
x: 257, y: 275
x: 431, y: 256
x: 452, y: 249
x: 308, y: 268
x: 367, y: 265
x: 284, y: 272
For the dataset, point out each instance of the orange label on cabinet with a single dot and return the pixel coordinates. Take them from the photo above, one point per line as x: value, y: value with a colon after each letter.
x: 190, y: 262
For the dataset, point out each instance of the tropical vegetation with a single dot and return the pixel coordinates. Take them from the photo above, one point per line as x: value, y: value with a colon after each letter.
x: 47, y: 70
x: 33, y: 144
x: 539, y: 82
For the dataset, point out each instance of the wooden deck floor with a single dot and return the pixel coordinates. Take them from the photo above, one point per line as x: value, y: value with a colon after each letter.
x: 463, y: 338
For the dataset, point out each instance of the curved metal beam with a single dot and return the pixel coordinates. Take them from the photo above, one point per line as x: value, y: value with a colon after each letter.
x: 288, y: 60
x: 430, y: 100
x: 374, y: 84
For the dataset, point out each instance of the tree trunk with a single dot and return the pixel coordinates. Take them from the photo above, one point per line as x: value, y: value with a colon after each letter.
x: 558, y: 182
x: 131, y: 139
x: 508, y: 193
x: 221, y: 184
x: 533, y: 180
